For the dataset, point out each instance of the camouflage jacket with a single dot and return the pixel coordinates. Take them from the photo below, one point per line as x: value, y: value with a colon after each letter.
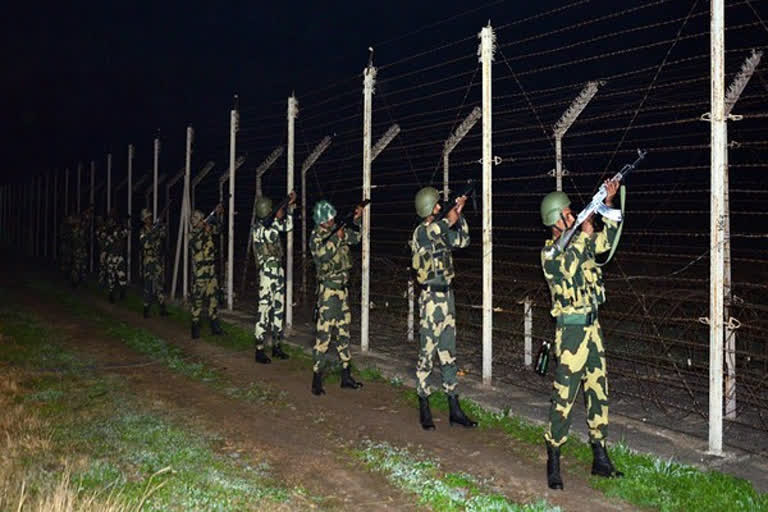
x: 115, y: 236
x: 202, y: 247
x: 266, y: 240
x: 575, y: 281
x: 333, y: 259
x: 151, y: 241
x: 431, y: 246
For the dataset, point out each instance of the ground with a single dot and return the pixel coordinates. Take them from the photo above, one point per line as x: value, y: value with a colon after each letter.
x: 266, y: 414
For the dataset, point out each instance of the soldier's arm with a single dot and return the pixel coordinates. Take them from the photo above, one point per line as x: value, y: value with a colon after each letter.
x: 604, y: 239
x: 353, y: 236
x: 568, y: 262
x: 458, y: 238
x: 285, y: 224
x: 272, y: 234
x: 323, y: 252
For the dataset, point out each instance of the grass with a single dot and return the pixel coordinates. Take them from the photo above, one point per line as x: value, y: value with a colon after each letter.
x: 650, y: 482
x: 442, y: 492
x: 74, y: 440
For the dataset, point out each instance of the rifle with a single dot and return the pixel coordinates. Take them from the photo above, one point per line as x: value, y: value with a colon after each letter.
x: 450, y: 204
x: 269, y: 219
x: 598, y: 205
x: 346, y: 220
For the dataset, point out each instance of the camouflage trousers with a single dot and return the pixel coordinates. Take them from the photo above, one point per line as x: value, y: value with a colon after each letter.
x: 154, y: 280
x: 115, y: 271
x: 77, y: 269
x: 271, y: 310
x: 581, y: 361
x: 437, y: 333
x: 205, y: 292
x: 102, y: 267
x: 333, y: 318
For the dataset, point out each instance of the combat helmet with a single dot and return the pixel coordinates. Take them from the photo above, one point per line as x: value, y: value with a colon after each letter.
x: 263, y: 207
x: 197, y: 217
x: 552, y: 206
x: 323, y: 212
x: 425, y: 201
x: 145, y: 214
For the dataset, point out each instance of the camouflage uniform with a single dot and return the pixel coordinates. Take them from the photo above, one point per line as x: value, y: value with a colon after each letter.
x: 205, y: 286
x: 65, y: 247
x: 268, y: 252
x: 101, y: 242
x: 152, y: 264
x: 576, y: 286
x: 79, y: 249
x: 114, y: 244
x: 332, y: 263
x: 431, y: 246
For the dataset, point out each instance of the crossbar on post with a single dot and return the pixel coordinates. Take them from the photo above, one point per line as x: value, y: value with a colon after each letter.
x: 450, y: 144
x: 737, y: 86
x: 305, y: 167
x: 576, y: 107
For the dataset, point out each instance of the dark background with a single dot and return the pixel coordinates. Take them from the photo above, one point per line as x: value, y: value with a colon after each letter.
x: 83, y: 79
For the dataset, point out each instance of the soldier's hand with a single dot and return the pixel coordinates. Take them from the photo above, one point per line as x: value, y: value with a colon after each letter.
x: 452, y: 216
x: 292, y: 200
x: 587, y: 227
x: 219, y: 209
x: 280, y: 214
x: 611, y: 187
x: 460, y: 202
x: 340, y: 233
x: 358, y: 212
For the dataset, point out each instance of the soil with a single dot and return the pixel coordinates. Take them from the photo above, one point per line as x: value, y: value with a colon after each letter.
x: 308, y: 440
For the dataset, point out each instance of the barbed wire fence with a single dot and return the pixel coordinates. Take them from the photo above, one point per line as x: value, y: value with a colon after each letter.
x: 575, y: 92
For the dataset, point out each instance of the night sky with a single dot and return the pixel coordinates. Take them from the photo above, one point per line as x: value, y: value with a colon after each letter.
x: 83, y: 80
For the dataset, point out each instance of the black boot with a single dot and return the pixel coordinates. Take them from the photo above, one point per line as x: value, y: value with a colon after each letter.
x: 112, y: 296
x: 163, y: 311
x: 195, y: 330
x: 277, y: 352
x: 122, y: 293
x: 601, y: 463
x: 317, y: 384
x: 553, y: 467
x: 146, y: 310
x: 261, y: 357
x: 215, y: 327
x: 425, y: 414
x: 457, y: 415
x: 347, y: 381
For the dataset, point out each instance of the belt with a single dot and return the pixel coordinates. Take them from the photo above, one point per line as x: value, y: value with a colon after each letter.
x: 440, y: 288
x: 577, y: 319
x: 334, y: 286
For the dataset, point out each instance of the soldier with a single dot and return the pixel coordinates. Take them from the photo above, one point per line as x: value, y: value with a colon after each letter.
x: 268, y: 252
x: 431, y: 246
x: 114, y: 243
x: 151, y: 238
x: 79, y: 249
x: 66, y: 245
x: 205, y: 287
x: 576, y: 286
x: 101, y: 243
x: 332, y: 264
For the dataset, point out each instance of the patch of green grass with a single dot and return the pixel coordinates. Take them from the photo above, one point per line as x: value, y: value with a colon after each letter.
x: 442, y: 492
x: 649, y: 482
x: 113, y: 444
x: 147, y: 343
x: 25, y: 342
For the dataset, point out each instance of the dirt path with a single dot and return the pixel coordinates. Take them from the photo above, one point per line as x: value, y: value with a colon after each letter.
x: 309, y: 437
